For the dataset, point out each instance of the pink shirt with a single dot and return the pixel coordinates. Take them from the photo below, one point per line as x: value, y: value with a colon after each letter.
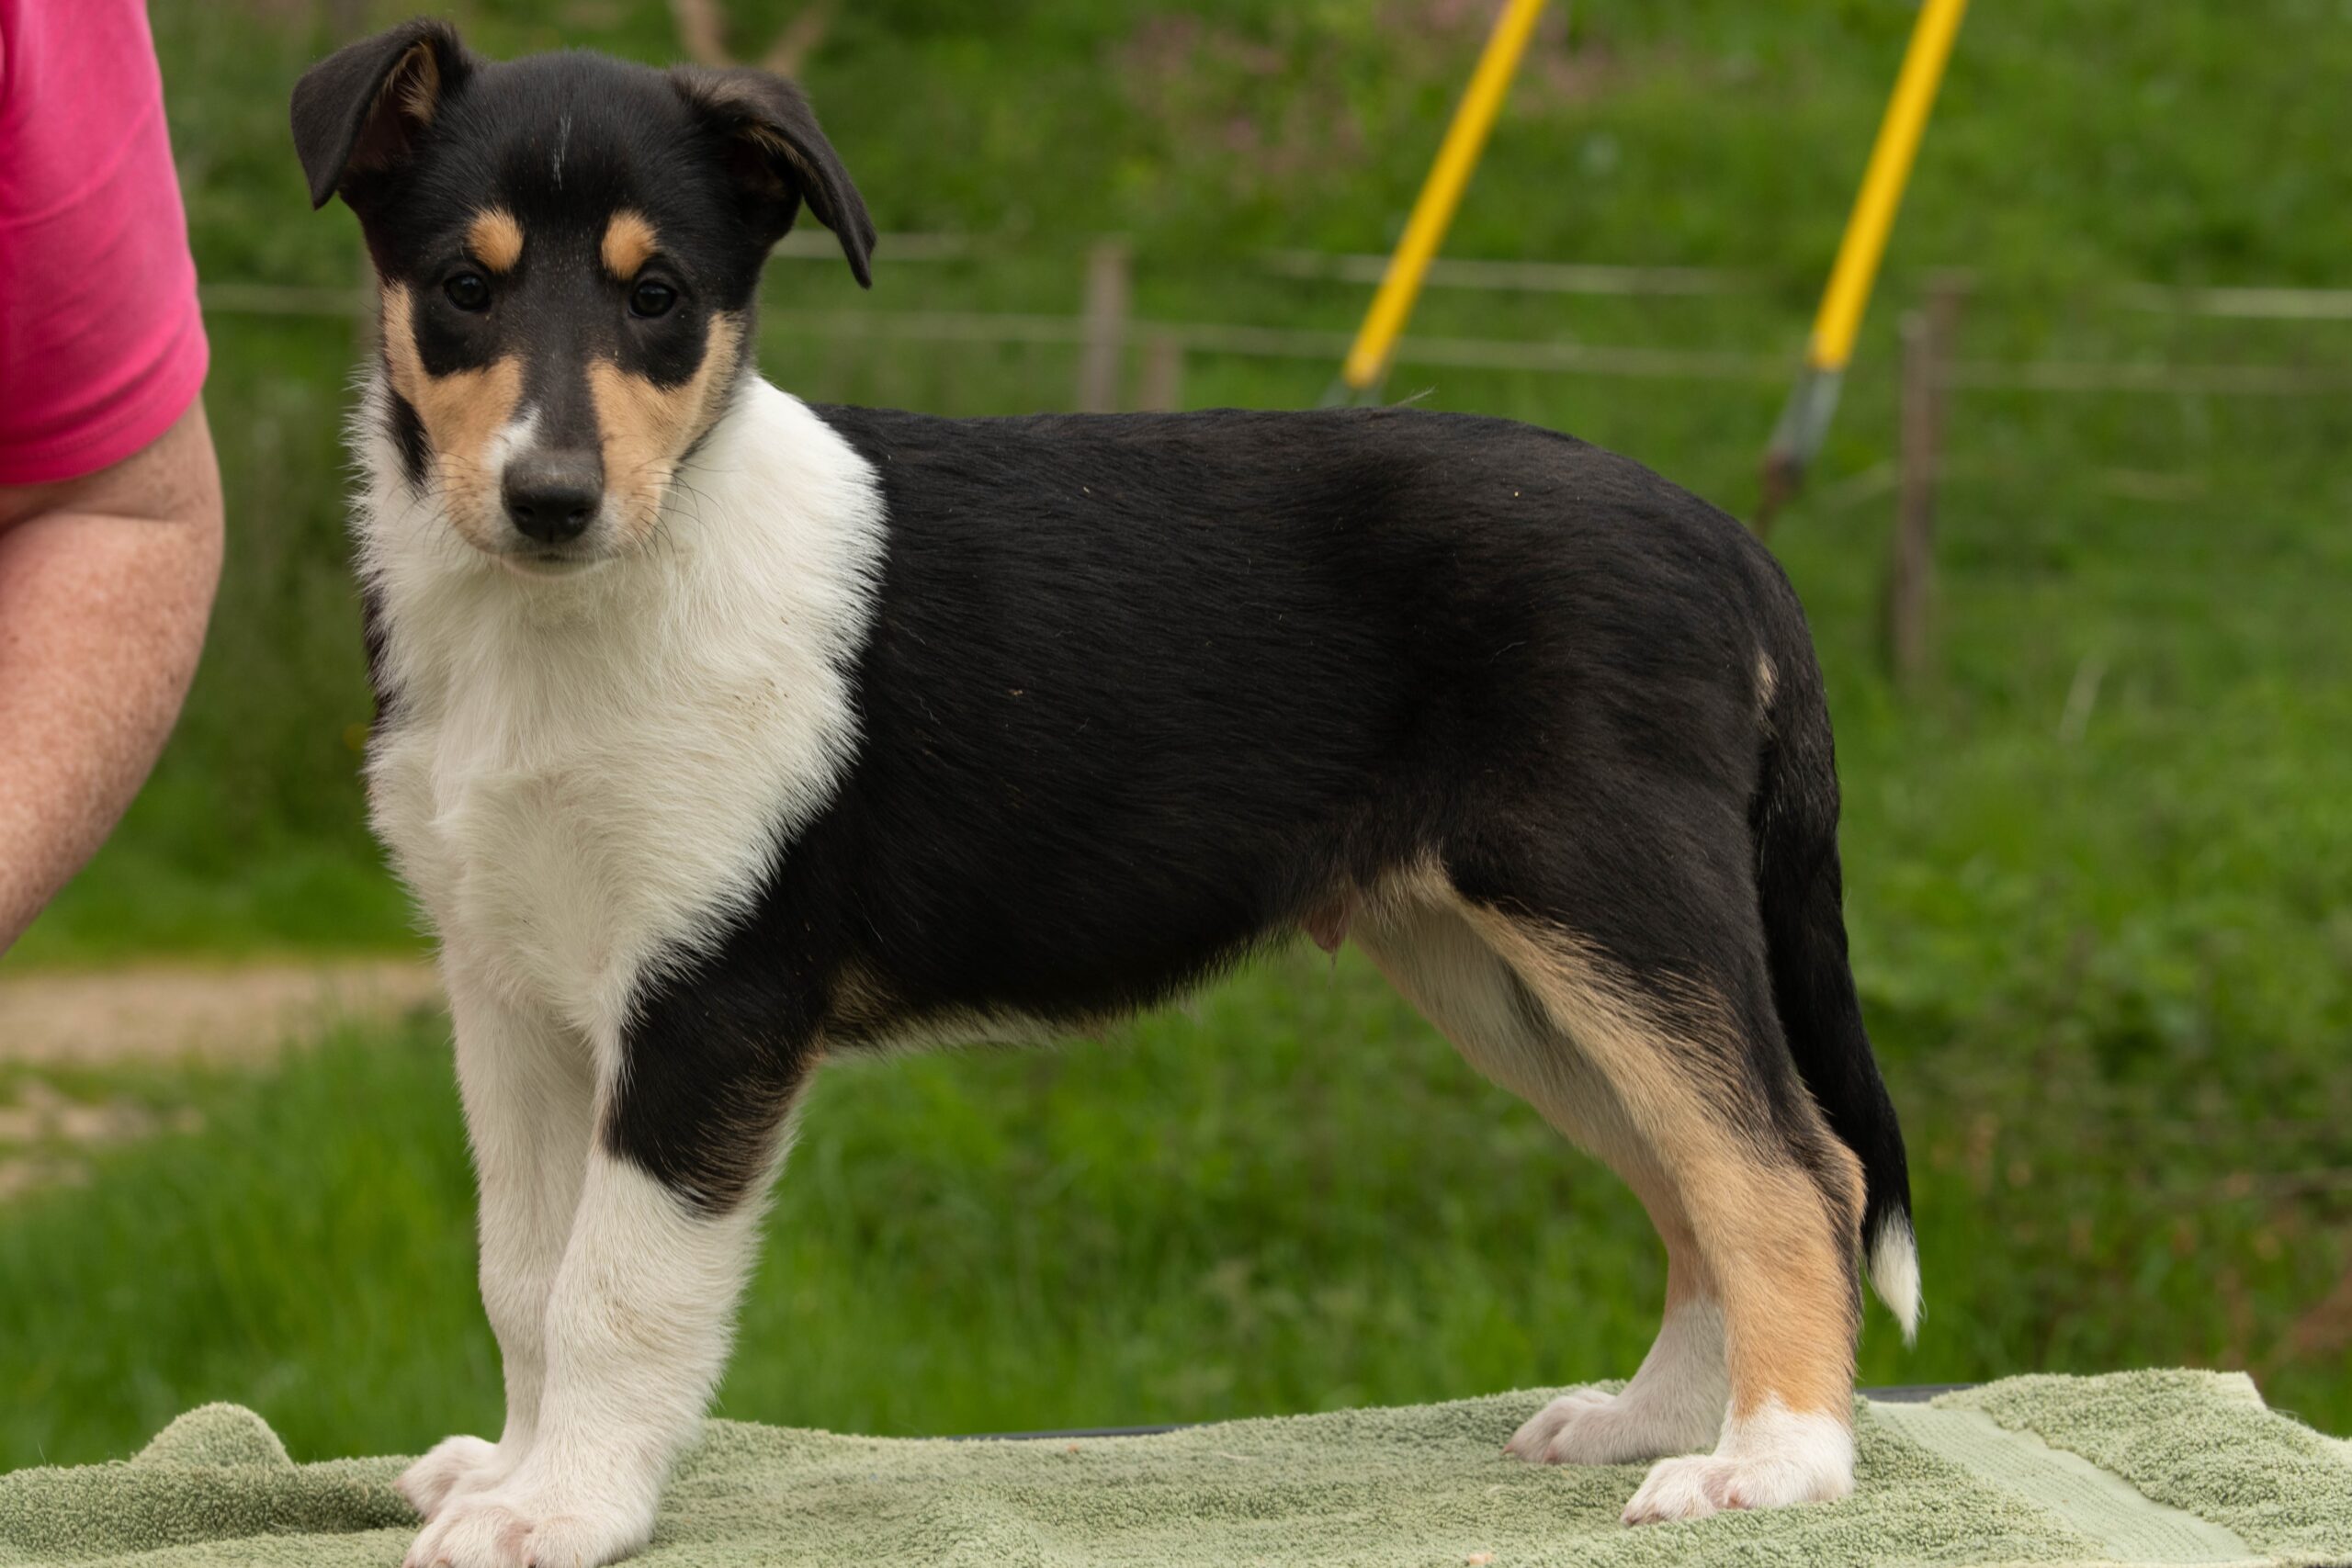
x: 101, y: 345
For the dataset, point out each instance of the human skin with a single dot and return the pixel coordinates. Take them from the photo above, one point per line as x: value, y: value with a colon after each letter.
x: 106, y: 586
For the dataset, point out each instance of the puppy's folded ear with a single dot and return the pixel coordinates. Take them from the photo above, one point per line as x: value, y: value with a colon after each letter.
x: 358, y: 113
x: 779, y: 157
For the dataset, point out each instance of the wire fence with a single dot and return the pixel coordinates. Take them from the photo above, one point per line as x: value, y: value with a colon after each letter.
x: 1104, y: 328
x: 1108, y: 338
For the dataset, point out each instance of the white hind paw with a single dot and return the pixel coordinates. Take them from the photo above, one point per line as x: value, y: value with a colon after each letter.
x: 1587, y: 1426
x: 1769, y: 1461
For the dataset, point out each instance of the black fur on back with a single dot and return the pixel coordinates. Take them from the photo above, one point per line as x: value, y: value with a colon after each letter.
x: 1143, y: 692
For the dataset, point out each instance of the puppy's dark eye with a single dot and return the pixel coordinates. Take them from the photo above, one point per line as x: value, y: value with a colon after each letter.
x: 652, y: 298
x: 468, y: 291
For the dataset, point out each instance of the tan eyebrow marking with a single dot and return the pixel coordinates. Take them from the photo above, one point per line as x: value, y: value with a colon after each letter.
x: 495, y: 238
x: 629, y: 243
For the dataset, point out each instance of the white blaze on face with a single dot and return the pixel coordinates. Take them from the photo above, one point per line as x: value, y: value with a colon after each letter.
x: 515, y: 439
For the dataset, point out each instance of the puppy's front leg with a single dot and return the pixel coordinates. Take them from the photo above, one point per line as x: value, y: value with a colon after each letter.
x: 529, y: 1081
x: 690, y: 1127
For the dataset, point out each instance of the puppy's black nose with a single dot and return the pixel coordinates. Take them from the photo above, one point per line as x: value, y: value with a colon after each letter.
x: 552, y: 496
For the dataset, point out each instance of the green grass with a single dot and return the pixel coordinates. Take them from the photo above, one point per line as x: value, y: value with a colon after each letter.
x: 1291, y: 1197
x: 2106, y: 965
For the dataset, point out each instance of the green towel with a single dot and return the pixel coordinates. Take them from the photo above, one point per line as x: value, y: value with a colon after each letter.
x: 2158, y: 1468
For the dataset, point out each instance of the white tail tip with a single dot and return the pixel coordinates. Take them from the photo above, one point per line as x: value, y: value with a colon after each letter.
x: 1894, y: 1273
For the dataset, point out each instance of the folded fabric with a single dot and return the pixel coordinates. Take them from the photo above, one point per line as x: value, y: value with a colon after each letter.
x: 2150, y: 1467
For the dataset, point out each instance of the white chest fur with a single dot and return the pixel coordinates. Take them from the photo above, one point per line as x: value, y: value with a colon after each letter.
x: 587, y: 774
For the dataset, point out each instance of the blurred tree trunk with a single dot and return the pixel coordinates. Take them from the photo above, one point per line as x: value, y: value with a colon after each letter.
x: 702, y: 33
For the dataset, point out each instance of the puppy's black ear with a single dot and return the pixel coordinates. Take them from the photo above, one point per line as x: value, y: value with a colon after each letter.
x: 358, y: 113
x: 779, y: 157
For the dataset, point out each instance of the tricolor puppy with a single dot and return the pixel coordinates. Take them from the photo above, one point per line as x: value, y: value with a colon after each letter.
x: 721, y: 733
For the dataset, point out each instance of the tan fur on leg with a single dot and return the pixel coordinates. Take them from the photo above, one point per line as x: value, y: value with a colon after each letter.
x: 1417, y: 932
x: 1650, y: 1076
x: 1772, y: 1242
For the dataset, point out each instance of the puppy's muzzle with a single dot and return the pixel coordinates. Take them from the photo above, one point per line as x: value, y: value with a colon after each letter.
x: 551, y: 497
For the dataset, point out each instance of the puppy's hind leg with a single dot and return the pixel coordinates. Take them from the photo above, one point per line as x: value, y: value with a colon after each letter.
x: 1436, y: 960
x: 1693, y: 1051
x: 527, y: 1082
x: 1675, y: 1403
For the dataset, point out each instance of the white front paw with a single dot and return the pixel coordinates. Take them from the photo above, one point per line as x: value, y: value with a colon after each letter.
x: 519, y: 1527
x: 454, y: 1465
x: 1587, y: 1426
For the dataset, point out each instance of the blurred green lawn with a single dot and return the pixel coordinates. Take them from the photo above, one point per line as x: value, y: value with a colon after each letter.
x: 1290, y: 1197
x: 2106, y: 969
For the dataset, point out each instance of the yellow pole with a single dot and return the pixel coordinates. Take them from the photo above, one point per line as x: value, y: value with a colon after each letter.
x: 1441, y: 194
x: 1804, y: 418
x: 1890, y: 166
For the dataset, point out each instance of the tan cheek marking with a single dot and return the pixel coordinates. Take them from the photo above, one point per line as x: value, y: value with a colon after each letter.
x: 495, y: 238
x: 629, y: 243
x: 646, y: 429
x: 461, y: 414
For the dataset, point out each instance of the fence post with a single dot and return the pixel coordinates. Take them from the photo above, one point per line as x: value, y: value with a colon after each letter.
x: 1911, y: 565
x: 1162, y: 386
x: 1109, y: 293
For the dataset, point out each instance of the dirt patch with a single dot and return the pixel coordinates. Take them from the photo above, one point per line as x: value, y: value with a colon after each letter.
x: 81, y: 1020
x: 42, y: 1131
x: 217, y: 1014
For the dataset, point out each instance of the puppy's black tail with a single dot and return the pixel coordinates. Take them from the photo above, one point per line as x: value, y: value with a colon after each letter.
x: 1794, y: 818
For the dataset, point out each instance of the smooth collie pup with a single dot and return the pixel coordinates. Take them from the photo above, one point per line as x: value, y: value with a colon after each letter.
x: 720, y: 733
